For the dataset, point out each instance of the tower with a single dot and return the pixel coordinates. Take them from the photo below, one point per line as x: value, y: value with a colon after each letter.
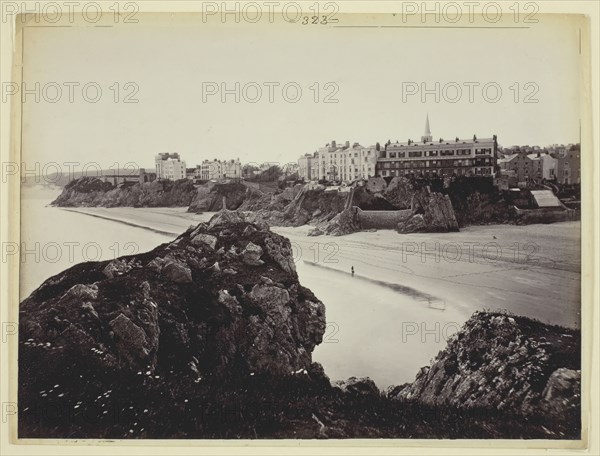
x: 427, y: 136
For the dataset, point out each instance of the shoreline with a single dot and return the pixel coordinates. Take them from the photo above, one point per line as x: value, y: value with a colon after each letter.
x: 117, y: 220
x: 536, y: 273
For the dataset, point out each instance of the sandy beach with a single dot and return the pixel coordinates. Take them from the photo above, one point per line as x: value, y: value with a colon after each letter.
x: 530, y: 270
x: 408, y: 294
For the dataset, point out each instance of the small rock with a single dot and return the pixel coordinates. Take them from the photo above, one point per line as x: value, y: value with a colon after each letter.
x: 251, y: 254
x: 87, y: 306
x: 81, y: 291
x: 177, y: 272
x: 115, y: 267
x: 204, y: 239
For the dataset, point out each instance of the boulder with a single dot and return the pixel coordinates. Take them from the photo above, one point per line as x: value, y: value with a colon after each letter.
x: 251, y: 254
x: 116, y: 267
x: 177, y: 272
x: 562, y: 395
x: 204, y: 239
x: 358, y: 387
x: 414, y: 224
x: 432, y: 212
x: 133, y: 348
x: 82, y: 291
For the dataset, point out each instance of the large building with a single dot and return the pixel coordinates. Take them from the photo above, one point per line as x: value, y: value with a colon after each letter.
x: 169, y: 166
x: 221, y: 169
x: 340, y: 163
x: 473, y: 157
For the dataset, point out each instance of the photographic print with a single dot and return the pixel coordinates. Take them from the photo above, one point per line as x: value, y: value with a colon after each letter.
x: 297, y: 221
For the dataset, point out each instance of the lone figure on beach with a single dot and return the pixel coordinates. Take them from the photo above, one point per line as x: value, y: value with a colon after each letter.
x: 352, y: 270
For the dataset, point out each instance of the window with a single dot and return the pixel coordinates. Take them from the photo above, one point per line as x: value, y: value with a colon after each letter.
x: 415, y: 154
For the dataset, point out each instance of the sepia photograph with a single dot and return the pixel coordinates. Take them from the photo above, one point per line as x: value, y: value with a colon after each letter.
x: 296, y: 221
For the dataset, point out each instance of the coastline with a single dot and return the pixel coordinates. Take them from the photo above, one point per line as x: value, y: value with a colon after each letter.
x: 464, y: 268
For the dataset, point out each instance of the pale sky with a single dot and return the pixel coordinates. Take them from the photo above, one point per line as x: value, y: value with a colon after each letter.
x: 170, y: 63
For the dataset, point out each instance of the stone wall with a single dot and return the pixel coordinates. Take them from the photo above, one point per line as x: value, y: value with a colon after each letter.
x: 382, y: 219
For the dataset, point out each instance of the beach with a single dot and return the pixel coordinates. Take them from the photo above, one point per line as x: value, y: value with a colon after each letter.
x: 408, y: 294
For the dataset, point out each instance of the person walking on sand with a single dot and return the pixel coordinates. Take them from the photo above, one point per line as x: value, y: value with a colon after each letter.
x: 352, y: 270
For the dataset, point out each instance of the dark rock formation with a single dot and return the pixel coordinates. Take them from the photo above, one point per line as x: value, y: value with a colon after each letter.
x: 209, y: 197
x: 502, y: 362
x: 345, y: 222
x: 296, y: 207
x: 93, y: 192
x: 399, y: 192
x: 169, y: 314
x: 432, y: 212
x: 211, y: 336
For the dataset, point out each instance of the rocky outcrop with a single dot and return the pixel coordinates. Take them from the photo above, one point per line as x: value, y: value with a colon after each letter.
x: 170, y: 315
x: 345, y: 222
x: 399, y: 192
x: 93, y: 192
x: 432, y: 212
x: 210, y: 197
x: 132, y: 348
x: 211, y: 336
x: 502, y: 362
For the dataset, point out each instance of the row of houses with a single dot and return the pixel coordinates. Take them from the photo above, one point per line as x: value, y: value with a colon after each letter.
x: 524, y: 166
x: 427, y: 157
x: 170, y: 166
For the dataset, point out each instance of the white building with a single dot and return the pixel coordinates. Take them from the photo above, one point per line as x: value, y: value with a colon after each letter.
x: 221, y: 169
x: 170, y: 166
x: 344, y: 163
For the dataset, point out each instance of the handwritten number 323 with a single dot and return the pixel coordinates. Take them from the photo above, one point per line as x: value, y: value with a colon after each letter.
x: 314, y: 20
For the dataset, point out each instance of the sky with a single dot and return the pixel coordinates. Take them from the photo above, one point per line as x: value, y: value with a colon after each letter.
x: 175, y: 65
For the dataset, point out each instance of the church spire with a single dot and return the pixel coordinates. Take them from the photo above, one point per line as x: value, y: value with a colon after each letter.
x: 427, y: 136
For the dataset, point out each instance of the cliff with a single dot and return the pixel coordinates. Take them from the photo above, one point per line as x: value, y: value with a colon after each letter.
x: 93, y: 192
x: 504, y: 362
x: 209, y: 197
x: 431, y: 212
x: 211, y: 336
